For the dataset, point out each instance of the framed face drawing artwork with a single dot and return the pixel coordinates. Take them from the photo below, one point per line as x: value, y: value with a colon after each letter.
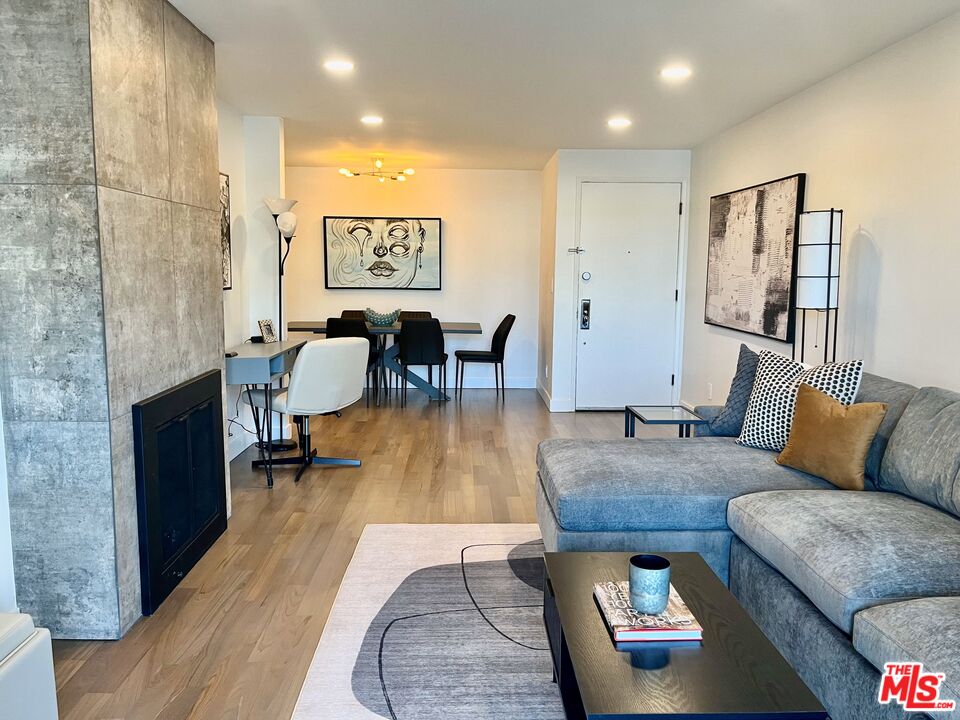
x: 750, y: 258
x: 381, y: 253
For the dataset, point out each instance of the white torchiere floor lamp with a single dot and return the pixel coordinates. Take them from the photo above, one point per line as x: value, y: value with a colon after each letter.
x: 286, y: 223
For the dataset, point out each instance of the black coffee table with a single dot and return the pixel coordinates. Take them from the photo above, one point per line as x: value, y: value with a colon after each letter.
x: 736, y: 673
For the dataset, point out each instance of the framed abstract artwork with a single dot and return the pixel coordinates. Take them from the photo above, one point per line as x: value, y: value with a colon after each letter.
x: 751, y: 256
x: 381, y: 253
x: 225, y: 243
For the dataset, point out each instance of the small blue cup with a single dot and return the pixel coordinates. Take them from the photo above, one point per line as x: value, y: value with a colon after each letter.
x: 649, y: 583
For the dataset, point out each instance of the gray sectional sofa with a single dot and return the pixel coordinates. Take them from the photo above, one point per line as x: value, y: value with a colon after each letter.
x: 840, y: 581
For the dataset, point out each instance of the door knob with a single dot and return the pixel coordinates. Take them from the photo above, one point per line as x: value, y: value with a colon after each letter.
x: 586, y: 276
x: 584, y: 314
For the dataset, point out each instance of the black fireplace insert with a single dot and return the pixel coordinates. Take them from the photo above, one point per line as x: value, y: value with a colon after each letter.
x: 181, y: 495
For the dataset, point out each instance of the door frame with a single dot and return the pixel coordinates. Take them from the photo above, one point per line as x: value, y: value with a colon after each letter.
x: 681, y: 279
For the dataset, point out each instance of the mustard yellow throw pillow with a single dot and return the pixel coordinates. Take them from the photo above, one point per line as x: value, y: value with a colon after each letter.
x: 831, y: 440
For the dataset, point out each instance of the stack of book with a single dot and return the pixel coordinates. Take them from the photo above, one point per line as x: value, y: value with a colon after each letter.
x: 625, y: 624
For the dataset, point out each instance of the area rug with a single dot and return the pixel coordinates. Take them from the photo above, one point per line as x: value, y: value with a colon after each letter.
x: 436, y: 621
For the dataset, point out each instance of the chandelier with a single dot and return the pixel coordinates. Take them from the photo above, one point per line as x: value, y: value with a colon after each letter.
x: 379, y: 173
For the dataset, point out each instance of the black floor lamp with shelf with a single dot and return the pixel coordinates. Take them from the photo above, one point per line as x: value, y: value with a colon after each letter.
x: 818, y: 278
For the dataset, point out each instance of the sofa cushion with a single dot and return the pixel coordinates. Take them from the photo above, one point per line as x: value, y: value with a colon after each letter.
x: 661, y: 484
x: 708, y: 413
x: 774, y: 396
x: 850, y: 551
x: 895, y: 395
x: 923, y: 456
x: 729, y: 421
x: 925, y: 630
x: 831, y: 440
x: 15, y: 629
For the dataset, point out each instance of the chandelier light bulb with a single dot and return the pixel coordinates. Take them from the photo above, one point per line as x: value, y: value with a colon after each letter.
x: 378, y: 172
x: 338, y: 66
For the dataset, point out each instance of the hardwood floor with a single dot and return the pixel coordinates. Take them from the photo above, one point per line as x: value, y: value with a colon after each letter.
x: 235, y: 638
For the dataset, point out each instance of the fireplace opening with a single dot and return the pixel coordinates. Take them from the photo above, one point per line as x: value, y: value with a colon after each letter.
x: 181, y: 496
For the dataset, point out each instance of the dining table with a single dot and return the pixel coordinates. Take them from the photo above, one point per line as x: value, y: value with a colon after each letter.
x: 389, y: 354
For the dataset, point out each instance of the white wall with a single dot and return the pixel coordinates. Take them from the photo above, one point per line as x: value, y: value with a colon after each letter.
x: 8, y: 590
x: 236, y: 301
x: 490, y: 238
x: 548, y: 240
x: 573, y: 167
x: 264, y: 174
x: 251, y: 153
x: 881, y: 140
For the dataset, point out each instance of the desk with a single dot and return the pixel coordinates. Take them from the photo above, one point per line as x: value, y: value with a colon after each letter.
x: 261, y: 364
x: 319, y: 327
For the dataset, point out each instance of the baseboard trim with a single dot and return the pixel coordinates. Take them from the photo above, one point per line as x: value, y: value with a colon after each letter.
x: 562, y: 405
x: 544, y: 394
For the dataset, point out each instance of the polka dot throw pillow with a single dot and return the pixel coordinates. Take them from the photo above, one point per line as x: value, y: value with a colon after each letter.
x: 774, y: 395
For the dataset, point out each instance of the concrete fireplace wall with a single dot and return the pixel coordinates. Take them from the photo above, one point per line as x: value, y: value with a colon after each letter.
x: 155, y: 124
x: 111, y: 286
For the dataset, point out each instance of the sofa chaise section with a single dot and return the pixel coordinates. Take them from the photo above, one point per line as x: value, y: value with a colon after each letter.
x: 660, y: 495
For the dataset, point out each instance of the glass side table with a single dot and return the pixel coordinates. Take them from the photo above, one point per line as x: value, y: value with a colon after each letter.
x: 659, y: 415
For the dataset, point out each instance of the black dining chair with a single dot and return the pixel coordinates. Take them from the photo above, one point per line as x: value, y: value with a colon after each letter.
x: 413, y: 315
x: 379, y: 341
x: 421, y: 343
x: 493, y: 356
x: 355, y: 327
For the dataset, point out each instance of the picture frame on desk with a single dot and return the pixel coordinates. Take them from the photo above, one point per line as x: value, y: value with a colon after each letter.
x: 268, y: 331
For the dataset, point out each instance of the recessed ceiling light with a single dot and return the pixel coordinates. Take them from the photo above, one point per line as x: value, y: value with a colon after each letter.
x: 409, y: 171
x: 371, y: 120
x: 619, y: 122
x: 676, y: 72
x: 339, y: 66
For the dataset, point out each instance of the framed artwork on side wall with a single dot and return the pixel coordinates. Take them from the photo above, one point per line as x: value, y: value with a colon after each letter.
x: 381, y: 253
x: 225, y: 246
x: 751, y: 256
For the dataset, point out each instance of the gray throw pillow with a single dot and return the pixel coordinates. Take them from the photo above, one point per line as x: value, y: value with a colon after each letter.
x: 729, y: 422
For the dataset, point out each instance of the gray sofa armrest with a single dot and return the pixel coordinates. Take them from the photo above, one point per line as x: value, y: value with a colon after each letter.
x: 708, y: 413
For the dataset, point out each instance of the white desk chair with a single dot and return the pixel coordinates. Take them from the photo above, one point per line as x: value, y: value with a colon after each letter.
x: 327, y: 376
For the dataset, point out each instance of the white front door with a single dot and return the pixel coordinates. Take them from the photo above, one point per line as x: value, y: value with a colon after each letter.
x: 629, y: 252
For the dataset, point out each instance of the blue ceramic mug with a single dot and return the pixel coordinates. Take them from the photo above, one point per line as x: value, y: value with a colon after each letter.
x: 649, y: 583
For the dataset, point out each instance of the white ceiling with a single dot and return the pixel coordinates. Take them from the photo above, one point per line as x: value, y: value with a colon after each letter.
x: 503, y: 83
